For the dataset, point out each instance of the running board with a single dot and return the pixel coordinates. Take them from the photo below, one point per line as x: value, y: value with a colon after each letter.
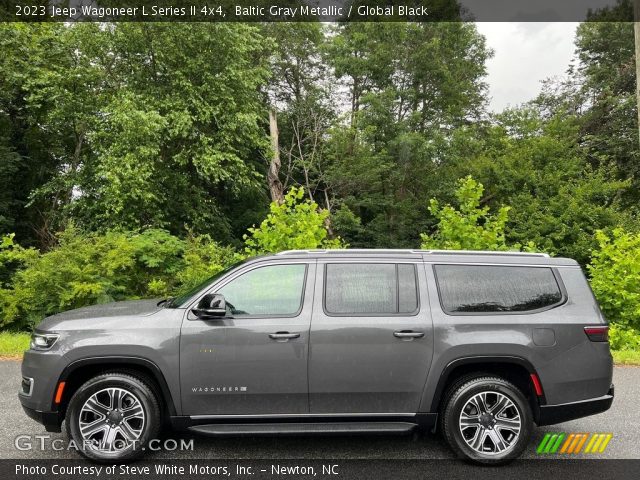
x: 350, y: 428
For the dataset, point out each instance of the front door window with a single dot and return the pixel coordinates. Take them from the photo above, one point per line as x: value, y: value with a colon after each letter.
x: 274, y: 290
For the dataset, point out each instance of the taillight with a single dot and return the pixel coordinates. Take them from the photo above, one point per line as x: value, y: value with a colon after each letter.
x: 597, y: 334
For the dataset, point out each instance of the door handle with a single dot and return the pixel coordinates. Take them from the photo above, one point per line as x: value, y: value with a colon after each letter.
x: 407, y: 334
x: 283, y: 336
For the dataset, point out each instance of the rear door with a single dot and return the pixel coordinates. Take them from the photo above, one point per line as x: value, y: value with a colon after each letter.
x: 371, y: 341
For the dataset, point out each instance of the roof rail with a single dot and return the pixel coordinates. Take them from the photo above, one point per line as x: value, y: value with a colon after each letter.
x: 348, y: 250
x: 408, y: 250
x: 294, y: 252
x: 484, y: 252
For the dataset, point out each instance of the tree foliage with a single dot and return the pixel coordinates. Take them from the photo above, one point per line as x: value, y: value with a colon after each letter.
x: 151, y: 141
x: 469, y: 227
x: 144, y: 125
x: 295, y: 224
x: 165, y: 126
x: 558, y: 198
x: 88, y: 268
x: 615, y: 276
x: 409, y: 86
x: 85, y: 269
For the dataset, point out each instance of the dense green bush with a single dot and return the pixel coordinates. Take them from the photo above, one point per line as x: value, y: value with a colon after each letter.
x: 294, y: 224
x: 12, y: 257
x: 615, y: 276
x: 470, y: 226
x: 89, y: 268
x: 621, y: 338
x: 202, y: 259
x: 97, y: 268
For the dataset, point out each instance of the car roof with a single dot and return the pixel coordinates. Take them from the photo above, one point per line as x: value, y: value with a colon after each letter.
x: 430, y: 256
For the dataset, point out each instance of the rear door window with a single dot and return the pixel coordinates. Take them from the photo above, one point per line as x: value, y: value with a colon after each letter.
x: 370, y: 289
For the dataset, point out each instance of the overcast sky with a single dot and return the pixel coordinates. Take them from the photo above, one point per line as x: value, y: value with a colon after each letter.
x: 524, y: 55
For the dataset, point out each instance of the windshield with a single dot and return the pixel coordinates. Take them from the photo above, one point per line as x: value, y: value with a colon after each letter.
x: 184, y: 297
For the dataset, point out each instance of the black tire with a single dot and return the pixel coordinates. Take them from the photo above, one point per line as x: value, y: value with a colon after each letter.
x: 149, y: 426
x: 458, y: 397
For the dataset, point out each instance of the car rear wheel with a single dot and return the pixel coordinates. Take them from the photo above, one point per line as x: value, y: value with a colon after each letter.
x: 112, y: 417
x: 487, y: 420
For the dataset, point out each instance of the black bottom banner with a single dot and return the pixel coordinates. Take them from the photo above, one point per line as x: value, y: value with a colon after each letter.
x: 324, y: 469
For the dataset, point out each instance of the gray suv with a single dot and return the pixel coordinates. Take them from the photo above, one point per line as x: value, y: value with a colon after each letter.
x: 480, y: 345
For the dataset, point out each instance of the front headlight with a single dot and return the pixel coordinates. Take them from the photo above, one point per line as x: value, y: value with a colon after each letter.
x: 43, y: 341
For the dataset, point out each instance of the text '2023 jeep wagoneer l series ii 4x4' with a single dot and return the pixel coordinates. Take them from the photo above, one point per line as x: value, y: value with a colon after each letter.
x: 479, y: 345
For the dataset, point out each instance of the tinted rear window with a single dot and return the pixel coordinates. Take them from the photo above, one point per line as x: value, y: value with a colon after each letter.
x: 491, y: 289
x: 370, y: 288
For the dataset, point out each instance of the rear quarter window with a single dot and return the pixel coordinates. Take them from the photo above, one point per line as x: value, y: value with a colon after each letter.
x: 488, y: 289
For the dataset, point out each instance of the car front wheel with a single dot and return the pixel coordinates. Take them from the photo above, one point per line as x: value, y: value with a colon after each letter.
x: 112, y: 417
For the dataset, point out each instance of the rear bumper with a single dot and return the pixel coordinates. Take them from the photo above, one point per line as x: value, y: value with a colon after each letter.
x: 552, y: 414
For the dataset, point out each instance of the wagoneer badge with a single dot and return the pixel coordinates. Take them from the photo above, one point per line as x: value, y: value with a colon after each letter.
x: 232, y: 389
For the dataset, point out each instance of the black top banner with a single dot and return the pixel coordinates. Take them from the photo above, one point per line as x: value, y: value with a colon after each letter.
x: 316, y: 10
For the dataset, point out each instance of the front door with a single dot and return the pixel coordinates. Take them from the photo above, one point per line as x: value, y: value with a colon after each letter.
x: 254, y: 360
x: 371, y: 338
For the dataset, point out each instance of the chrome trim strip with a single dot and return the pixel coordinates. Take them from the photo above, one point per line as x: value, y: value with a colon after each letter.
x: 578, y: 402
x: 301, y: 415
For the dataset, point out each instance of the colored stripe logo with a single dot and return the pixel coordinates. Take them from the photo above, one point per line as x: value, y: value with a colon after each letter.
x: 574, y: 443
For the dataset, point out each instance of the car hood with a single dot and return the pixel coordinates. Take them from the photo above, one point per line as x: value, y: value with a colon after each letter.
x: 94, y: 315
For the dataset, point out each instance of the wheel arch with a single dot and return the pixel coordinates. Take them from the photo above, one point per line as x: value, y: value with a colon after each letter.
x: 515, y: 369
x: 81, y: 370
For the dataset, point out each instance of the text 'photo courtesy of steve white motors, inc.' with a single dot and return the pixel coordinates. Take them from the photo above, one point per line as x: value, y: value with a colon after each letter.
x: 169, y: 470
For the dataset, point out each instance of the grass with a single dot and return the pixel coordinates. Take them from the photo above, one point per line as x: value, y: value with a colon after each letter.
x: 12, y: 345
x: 626, y: 357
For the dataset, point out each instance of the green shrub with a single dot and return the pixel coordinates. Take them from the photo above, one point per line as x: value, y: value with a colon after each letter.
x: 202, y: 259
x: 615, y: 277
x: 86, y: 269
x: 90, y: 268
x: 12, y: 257
x: 621, y: 338
x: 470, y: 226
x: 294, y: 224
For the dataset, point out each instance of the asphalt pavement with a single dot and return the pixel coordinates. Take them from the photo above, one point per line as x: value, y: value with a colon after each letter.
x: 622, y: 420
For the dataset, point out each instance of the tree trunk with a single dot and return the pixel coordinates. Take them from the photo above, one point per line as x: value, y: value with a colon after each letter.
x: 273, y: 175
x: 636, y: 29
x: 327, y: 221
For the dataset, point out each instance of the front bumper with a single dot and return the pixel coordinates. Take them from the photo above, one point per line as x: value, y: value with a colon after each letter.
x: 552, y: 414
x: 40, y: 373
x: 52, y: 421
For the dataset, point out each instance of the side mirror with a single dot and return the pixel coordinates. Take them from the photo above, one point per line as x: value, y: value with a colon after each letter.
x: 211, y: 306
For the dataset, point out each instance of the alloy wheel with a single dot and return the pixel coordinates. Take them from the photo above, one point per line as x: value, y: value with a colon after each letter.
x: 490, y: 423
x: 111, y: 420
